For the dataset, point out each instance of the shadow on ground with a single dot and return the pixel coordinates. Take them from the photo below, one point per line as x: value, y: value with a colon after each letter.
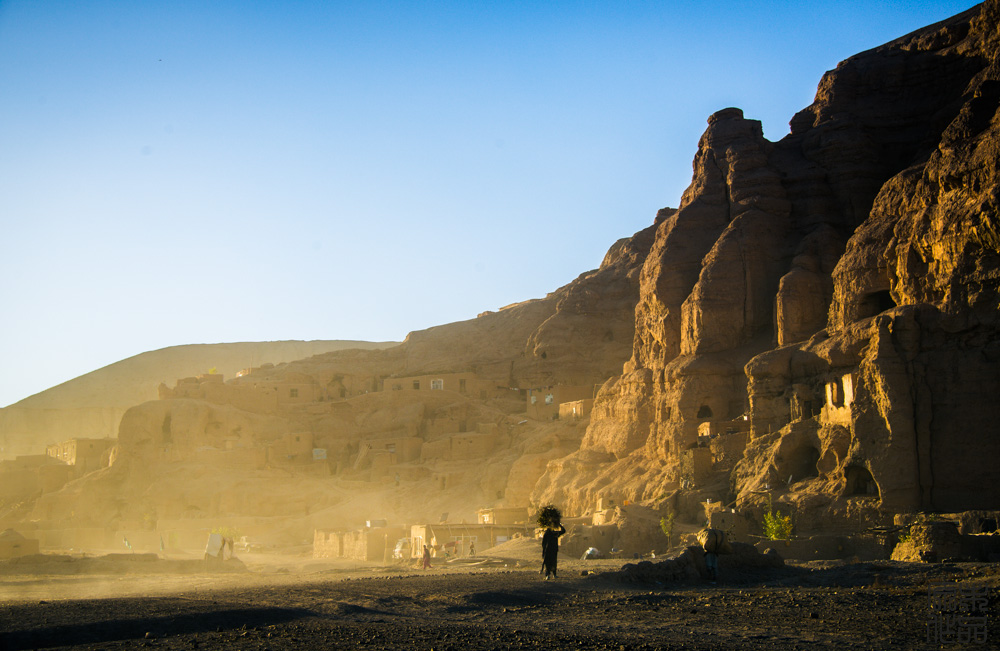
x: 97, y: 632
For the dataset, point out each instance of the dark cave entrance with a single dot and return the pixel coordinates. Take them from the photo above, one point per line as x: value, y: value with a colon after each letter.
x: 808, y: 465
x: 837, y: 392
x: 875, y: 303
x: 803, y: 462
x: 860, y: 482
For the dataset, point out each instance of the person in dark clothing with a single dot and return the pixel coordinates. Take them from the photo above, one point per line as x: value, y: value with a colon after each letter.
x: 427, y: 558
x: 550, y: 549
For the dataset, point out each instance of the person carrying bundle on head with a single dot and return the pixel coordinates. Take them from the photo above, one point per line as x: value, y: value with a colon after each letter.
x: 714, y: 542
x: 550, y: 518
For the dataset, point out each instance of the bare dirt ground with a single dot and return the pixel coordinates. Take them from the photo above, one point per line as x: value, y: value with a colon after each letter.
x: 273, y: 602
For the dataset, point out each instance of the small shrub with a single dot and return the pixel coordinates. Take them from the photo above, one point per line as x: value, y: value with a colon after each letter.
x: 777, y: 526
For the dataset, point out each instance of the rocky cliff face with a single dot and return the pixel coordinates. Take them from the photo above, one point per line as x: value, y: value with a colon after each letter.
x: 836, y: 289
x: 579, y: 334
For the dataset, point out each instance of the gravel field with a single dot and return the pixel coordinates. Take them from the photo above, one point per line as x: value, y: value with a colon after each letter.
x: 499, y: 603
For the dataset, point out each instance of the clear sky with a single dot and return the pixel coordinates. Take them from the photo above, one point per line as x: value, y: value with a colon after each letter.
x: 200, y: 172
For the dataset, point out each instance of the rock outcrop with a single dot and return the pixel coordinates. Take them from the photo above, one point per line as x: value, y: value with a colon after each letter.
x: 579, y: 334
x: 837, y: 289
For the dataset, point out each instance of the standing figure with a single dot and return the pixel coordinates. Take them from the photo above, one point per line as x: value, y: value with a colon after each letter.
x: 714, y: 542
x: 550, y: 549
x: 427, y: 558
x: 472, y: 548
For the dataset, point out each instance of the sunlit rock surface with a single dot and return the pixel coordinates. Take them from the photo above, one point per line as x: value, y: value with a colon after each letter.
x: 857, y: 256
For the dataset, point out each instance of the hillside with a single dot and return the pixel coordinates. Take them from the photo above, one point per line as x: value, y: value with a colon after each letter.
x: 92, y: 405
x: 442, y: 423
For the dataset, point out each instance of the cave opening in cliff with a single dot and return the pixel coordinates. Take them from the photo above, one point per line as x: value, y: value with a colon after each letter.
x: 805, y: 462
x: 860, y: 482
x: 837, y: 393
x: 704, y: 411
x: 987, y: 525
x: 875, y: 303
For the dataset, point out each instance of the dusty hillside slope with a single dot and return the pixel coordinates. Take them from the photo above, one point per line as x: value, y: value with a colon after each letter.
x: 91, y: 406
x: 335, y: 439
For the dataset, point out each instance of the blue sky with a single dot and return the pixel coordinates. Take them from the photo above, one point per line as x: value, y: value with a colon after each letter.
x: 201, y: 172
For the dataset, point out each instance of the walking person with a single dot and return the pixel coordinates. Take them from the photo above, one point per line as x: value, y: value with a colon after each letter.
x: 550, y: 548
x: 427, y: 558
x: 714, y: 542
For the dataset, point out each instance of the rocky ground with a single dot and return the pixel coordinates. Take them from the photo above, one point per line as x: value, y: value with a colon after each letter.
x: 500, y: 603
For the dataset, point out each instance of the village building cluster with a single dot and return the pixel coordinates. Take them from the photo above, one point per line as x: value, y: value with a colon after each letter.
x: 26, y: 476
x: 388, y: 453
x: 382, y: 542
x: 439, y: 447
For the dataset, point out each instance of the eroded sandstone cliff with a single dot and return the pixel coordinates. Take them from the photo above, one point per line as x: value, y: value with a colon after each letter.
x: 835, y: 291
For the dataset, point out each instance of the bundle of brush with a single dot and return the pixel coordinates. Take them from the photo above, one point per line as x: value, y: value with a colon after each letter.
x: 549, y: 517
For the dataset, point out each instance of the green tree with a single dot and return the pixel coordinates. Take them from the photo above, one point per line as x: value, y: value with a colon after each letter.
x: 667, y: 525
x: 776, y: 525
